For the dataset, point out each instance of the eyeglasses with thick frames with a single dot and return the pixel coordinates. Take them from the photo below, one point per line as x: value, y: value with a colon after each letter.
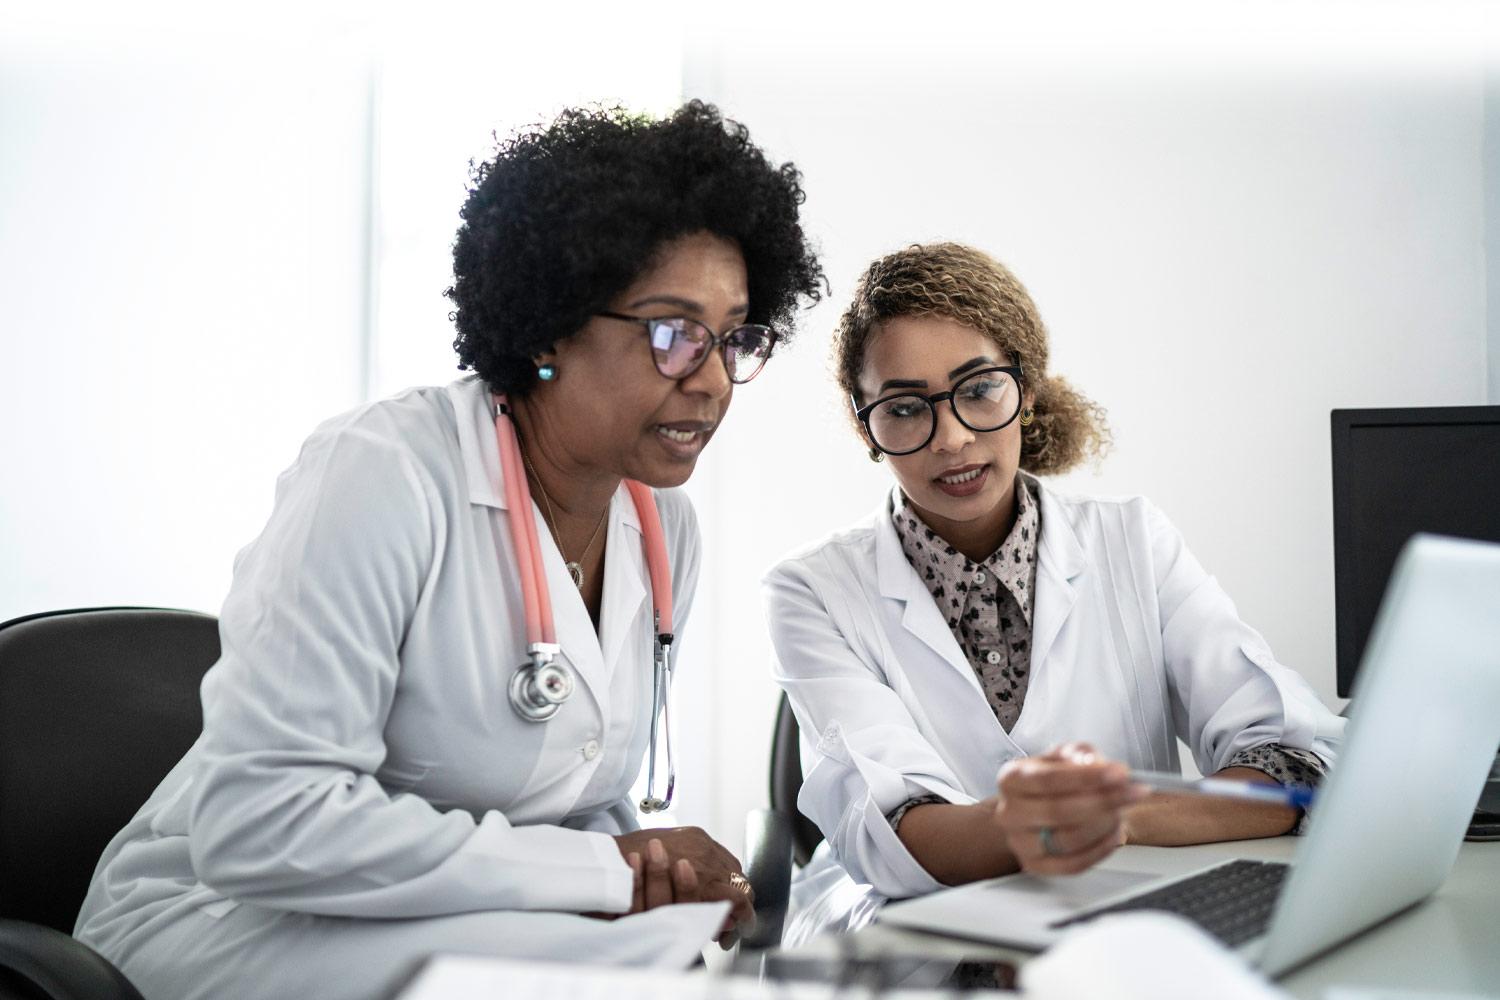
x: 905, y: 422
x: 680, y: 345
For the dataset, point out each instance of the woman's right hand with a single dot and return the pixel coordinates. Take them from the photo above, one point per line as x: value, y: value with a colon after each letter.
x: 1061, y: 812
x: 685, y: 865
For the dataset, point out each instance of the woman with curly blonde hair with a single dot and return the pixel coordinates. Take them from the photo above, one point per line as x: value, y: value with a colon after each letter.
x: 979, y: 664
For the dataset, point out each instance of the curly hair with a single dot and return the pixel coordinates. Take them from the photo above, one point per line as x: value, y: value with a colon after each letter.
x: 961, y: 283
x: 564, y: 217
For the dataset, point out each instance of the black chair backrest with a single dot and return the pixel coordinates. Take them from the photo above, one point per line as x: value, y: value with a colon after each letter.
x: 96, y: 706
x: 786, y: 782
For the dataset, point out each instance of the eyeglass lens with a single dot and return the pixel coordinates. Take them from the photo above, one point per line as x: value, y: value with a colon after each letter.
x: 984, y: 401
x: 680, y: 345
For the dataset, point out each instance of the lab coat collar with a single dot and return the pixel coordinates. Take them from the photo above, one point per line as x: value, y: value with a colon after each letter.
x: 1060, y: 559
x: 475, y: 420
x: 898, y: 581
x: 593, y: 654
x: 474, y: 416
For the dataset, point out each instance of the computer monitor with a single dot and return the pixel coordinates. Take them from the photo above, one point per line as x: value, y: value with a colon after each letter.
x: 1397, y: 472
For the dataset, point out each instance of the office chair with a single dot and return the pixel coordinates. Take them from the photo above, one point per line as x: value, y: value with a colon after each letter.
x: 779, y: 836
x: 96, y: 706
x: 786, y: 782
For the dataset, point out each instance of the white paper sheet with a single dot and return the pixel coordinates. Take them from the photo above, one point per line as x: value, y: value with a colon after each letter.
x: 1142, y: 956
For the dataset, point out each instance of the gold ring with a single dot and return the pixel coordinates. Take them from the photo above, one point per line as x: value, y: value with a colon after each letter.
x: 739, y: 882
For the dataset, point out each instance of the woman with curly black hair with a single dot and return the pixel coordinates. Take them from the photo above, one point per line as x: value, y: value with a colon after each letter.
x: 377, y: 779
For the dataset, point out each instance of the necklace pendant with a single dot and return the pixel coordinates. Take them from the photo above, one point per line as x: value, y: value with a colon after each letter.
x: 576, y: 572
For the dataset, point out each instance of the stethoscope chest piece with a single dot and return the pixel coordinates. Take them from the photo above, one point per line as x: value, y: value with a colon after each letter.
x: 538, y: 688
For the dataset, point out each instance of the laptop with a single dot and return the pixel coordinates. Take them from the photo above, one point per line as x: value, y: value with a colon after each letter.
x: 1387, y: 824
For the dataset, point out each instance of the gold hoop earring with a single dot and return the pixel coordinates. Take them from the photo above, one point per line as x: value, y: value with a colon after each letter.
x: 1027, y: 416
x: 876, y: 455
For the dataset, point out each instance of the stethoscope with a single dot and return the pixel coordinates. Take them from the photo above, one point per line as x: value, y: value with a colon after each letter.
x: 538, y: 688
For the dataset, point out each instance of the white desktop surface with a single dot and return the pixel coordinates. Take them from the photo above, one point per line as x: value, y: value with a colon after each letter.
x: 1449, y: 942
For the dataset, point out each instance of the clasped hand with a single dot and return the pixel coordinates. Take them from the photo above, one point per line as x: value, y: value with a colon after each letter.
x: 685, y: 865
x: 1063, y: 811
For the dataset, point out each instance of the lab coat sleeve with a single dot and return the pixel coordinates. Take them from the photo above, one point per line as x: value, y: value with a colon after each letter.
x: 286, y: 811
x: 1228, y: 693
x: 870, y: 754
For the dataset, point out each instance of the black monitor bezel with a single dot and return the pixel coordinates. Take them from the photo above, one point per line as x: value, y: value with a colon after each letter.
x: 1342, y: 423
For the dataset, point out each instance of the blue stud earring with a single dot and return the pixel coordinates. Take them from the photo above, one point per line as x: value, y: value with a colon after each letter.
x: 546, y: 373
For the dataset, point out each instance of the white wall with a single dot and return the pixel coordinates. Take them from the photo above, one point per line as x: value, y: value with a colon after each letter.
x: 207, y: 246
x: 182, y: 223
x: 1223, y: 252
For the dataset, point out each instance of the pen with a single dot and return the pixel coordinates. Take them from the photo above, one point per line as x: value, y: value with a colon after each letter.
x: 1297, y: 796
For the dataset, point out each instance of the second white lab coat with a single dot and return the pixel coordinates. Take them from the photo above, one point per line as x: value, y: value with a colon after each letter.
x: 360, y: 757
x: 1133, y: 646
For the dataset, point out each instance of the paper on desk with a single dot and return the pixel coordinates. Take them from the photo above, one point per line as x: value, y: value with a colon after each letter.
x: 674, y: 937
x: 463, y: 977
x: 1142, y: 956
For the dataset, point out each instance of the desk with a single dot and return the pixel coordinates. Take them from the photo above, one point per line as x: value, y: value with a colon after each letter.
x: 1451, y: 941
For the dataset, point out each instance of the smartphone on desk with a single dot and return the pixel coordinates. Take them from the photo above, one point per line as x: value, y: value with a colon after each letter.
x: 876, y: 975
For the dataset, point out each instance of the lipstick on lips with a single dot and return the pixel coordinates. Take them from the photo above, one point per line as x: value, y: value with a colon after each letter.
x: 963, y: 481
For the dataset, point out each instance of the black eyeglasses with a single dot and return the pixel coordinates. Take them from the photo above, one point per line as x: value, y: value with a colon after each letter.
x: 985, y: 400
x: 680, y: 345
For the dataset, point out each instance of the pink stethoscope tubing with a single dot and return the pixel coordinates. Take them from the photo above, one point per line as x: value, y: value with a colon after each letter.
x: 539, y: 687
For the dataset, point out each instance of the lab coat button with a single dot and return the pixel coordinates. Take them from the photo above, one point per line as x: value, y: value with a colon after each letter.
x: 992, y: 657
x: 591, y: 750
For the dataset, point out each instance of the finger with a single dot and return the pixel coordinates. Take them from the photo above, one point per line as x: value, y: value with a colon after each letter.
x: 1077, y: 751
x: 1067, y: 845
x: 658, y: 890
x: 685, y: 887
x: 741, y: 900
x: 1061, y: 841
x: 1083, y: 837
x: 1071, y: 864
x: 1036, y: 777
x: 723, y: 857
x: 744, y: 910
x: 1032, y: 812
x: 638, y: 882
x: 708, y: 855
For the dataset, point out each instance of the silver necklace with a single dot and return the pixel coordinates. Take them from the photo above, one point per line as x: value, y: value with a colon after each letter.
x: 575, y: 570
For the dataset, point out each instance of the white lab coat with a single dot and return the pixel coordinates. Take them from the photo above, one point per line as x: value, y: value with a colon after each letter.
x: 1133, y: 646
x: 360, y: 757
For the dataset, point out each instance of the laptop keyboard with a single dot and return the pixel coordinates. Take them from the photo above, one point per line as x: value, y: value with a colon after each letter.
x: 1232, y: 902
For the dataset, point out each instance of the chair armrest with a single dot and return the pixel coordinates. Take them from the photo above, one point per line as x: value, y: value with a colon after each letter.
x: 49, y: 965
x: 768, y: 865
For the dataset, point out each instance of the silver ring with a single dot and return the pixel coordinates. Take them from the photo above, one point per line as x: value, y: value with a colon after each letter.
x: 1049, y: 848
x: 739, y: 882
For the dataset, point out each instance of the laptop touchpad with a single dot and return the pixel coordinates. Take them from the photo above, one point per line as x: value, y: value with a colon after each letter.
x: 1070, y: 892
